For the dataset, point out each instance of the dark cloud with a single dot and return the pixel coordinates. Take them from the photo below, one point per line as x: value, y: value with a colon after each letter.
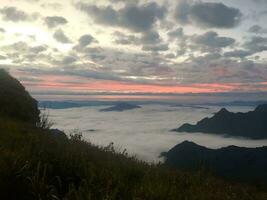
x: 38, y: 49
x: 67, y: 60
x: 86, y: 40
x: 15, y: 15
x: 156, y: 47
x: 60, y: 36
x: 2, y: 30
x: 257, y: 29
x: 170, y: 55
x: 211, y: 40
x: 150, y: 37
x: 23, y: 47
x: 205, y: 60
x: 54, y: 21
x: 94, y: 53
x: 124, y: 39
x: 177, y: 33
x: 183, y: 11
x: 22, y: 52
x: 208, y: 14
x: 135, y: 17
x: 256, y: 44
x: 238, y: 53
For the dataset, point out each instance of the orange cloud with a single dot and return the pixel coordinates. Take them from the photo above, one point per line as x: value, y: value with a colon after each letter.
x: 79, y: 84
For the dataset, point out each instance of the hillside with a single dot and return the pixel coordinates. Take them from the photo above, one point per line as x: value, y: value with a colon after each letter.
x: 252, y: 124
x: 236, y: 163
x: 15, y: 101
x: 45, y: 164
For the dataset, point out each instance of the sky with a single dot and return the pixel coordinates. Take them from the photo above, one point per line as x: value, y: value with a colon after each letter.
x: 135, y: 47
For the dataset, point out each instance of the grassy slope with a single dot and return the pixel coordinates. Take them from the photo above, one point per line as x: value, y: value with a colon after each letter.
x: 35, y: 164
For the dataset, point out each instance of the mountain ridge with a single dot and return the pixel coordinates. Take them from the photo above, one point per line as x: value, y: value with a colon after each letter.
x: 232, y: 162
x: 252, y: 124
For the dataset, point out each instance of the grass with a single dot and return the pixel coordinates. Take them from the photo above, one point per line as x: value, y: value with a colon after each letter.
x: 35, y: 164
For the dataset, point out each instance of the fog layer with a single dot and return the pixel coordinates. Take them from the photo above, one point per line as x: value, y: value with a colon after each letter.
x: 144, y: 132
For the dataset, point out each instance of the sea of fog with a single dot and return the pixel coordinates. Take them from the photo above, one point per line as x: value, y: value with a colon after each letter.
x: 144, y: 132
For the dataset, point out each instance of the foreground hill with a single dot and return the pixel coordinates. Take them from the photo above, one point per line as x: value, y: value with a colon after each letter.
x: 252, y: 124
x: 246, y: 164
x: 37, y: 163
x: 15, y: 101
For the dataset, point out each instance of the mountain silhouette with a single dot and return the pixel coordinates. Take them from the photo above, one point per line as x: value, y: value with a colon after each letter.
x: 119, y: 107
x: 246, y: 164
x: 252, y: 124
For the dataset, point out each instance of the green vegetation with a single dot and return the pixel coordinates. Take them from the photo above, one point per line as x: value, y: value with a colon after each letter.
x: 38, y: 163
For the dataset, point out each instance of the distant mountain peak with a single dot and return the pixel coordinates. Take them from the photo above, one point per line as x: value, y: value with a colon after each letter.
x: 252, y: 124
x: 223, y: 110
x: 119, y: 107
x: 188, y: 145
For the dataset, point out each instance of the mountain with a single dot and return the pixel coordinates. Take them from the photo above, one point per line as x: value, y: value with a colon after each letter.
x: 42, y: 163
x: 120, y: 107
x: 252, y: 124
x: 15, y: 101
x: 246, y: 164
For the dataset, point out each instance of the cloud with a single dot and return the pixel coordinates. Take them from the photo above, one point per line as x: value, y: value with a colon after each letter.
x: 138, y: 18
x: 54, y: 21
x: 2, y: 30
x: 257, y: 29
x: 207, y: 14
x: 211, y: 40
x: 2, y: 57
x: 170, y: 56
x: 256, y: 44
x: 38, y: 49
x: 238, y: 53
x: 156, y: 47
x: 23, y: 47
x: 67, y: 60
x: 176, y: 34
x: 55, y: 6
x: 86, y: 40
x: 150, y: 37
x: 60, y: 36
x: 124, y: 39
x: 183, y: 11
x: 260, y: 1
x: 15, y: 15
x: 21, y: 52
x: 149, y: 40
